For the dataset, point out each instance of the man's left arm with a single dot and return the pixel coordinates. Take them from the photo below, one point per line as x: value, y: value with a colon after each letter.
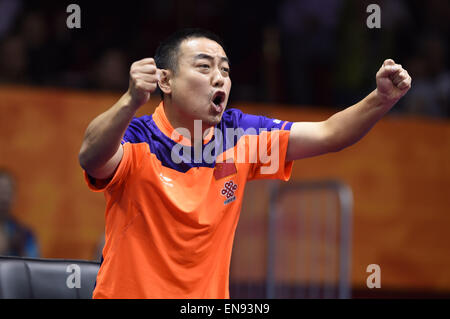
x: 350, y: 125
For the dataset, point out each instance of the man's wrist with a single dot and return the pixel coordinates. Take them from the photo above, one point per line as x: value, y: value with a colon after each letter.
x: 130, y: 102
x: 382, y: 100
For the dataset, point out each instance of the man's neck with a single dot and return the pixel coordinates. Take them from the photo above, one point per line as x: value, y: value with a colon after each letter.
x: 180, y: 123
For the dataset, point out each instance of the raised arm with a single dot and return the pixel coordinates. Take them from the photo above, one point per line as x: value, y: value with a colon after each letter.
x: 350, y: 125
x: 101, y: 150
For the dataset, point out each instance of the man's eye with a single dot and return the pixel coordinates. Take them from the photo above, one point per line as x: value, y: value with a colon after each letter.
x: 204, y: 66
x: 227, y: 70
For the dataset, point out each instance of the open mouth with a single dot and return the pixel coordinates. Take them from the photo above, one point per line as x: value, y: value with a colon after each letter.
x: 218, y: 99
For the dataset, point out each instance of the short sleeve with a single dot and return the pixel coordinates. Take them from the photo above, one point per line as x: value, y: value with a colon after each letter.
x: 131, y: 161
x: 137, y: 131
x: 271, y: 157
x: 272, y: 137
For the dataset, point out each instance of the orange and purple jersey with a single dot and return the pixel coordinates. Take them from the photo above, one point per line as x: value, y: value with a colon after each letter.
x: 171, y: 215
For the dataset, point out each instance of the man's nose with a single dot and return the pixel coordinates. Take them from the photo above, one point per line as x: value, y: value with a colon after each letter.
x: 217, y: 79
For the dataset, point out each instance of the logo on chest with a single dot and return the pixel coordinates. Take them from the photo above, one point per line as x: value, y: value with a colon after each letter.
x: 228, y: 191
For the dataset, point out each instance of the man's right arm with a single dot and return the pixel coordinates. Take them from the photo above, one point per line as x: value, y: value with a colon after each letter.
x: 101, y: 150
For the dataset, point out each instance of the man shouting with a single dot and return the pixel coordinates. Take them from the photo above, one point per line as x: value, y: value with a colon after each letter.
x: 171, y: 216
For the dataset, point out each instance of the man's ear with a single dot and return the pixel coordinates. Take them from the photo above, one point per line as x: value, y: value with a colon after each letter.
x: 165, y: 82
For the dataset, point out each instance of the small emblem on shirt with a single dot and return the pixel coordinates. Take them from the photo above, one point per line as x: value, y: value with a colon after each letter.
x: 228, y: 191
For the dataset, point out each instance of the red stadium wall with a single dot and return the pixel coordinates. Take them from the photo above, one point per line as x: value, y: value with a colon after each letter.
x: 399, y: 174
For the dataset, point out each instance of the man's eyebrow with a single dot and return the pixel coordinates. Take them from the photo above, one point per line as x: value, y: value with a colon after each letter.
x: 209, y: 57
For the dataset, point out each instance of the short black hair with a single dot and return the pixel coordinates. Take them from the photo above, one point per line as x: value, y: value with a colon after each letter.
x: 166, y: 55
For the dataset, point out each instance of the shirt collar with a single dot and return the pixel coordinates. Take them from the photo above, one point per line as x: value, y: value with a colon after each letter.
x: 160, y: 118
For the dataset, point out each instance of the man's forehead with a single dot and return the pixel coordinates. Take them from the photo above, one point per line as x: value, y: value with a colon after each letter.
x: 193, y: 47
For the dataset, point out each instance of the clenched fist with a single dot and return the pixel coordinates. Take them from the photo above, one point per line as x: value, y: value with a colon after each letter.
x: 144, y: 76
x: 392, y: 81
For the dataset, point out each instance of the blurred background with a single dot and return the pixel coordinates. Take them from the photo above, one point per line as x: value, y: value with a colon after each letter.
x: 297, y: 60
